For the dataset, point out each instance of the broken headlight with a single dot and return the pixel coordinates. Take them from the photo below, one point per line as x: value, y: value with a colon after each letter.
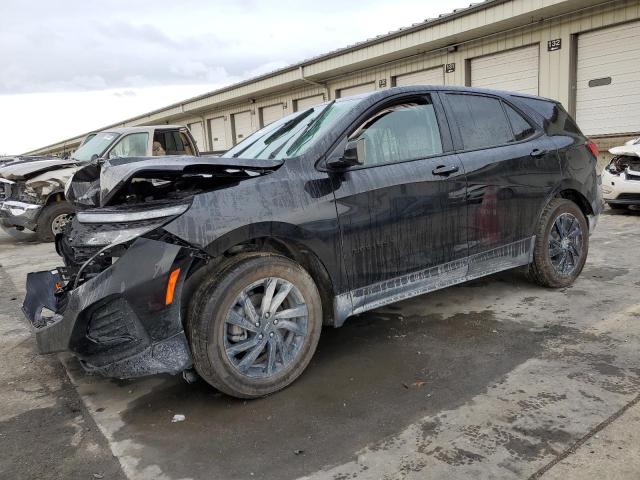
x: 121, y: 216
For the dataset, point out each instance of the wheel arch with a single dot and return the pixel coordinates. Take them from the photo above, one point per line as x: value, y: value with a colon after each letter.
x: 570, y: 190
x: 54, y: 197
x: 283, y: 239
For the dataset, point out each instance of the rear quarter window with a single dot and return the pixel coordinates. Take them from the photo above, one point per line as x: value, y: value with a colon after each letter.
x: 557, y: 120
x: 522, y: 129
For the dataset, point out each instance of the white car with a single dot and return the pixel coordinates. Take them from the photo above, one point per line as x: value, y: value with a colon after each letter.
x: 621, y: 178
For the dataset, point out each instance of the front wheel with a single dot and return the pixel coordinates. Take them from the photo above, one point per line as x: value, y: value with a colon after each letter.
x: 561, y: 246
x: 53, y: 219
x: 254, y: 325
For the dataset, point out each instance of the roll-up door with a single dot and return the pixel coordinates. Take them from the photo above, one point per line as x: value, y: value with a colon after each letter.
x: 433, y: 76
x: 241, y: 126
x: 308, y: 102
x: 218, y: 134
x: 358, y: 89
x: 514, y: 70
x: 608, y: 80
x: 271, y: 113
x: 197, y: 132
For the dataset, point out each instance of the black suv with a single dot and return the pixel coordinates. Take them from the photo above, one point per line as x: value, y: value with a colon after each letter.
x: 233, y: 264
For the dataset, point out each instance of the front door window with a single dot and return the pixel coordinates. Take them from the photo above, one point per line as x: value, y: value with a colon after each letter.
x: 134, y: 145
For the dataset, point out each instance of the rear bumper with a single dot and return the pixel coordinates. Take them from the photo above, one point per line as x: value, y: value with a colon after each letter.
x: 20, y: 214
x: 116, y: 323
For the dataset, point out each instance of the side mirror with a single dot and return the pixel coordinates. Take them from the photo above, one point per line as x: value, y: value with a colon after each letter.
x: 352, y: 156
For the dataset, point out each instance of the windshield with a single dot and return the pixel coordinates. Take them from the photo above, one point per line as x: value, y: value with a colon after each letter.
x: 96, y: 146
x: 292, y: 135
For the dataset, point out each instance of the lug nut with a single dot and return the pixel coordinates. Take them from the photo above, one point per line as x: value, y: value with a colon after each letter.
x: 257, y: 324
x: 260, y: 336
x: 271, y: 334
x: 275, y: 322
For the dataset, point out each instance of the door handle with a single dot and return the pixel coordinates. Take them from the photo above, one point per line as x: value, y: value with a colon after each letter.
x: 445, y: 170
x: 538, y: 153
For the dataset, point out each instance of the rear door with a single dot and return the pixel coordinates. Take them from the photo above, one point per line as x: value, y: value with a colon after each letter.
x: 511, y: 167
x: 402, y: 213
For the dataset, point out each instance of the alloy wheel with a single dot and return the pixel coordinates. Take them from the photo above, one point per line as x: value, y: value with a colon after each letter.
x: 565, y: 243
x: 265, y: 328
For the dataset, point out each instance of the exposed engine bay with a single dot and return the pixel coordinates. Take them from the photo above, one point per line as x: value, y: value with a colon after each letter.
x: 123, y: 199
x: 624, y: 163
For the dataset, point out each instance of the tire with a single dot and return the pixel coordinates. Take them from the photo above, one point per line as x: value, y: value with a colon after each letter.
x: 50, y: 220
x: 547, y: 268
x: 214, y: 338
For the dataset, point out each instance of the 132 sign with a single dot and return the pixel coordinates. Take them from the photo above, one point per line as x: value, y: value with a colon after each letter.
x: 553, y: 45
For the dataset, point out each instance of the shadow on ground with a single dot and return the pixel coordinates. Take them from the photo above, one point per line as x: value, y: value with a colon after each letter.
x: 365, y: 383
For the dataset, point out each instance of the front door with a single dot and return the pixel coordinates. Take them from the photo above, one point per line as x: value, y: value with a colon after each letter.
x: 402, y: 213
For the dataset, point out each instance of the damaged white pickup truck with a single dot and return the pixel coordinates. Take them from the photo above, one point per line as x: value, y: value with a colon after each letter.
x: 32, y: 191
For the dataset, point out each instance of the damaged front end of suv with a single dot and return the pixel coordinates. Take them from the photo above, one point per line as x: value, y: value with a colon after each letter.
x: 116, y: 304
x: 621, y: 178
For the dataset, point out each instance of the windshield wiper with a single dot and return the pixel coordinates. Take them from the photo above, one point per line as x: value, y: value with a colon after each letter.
x: 287, y: 126
x: 315, y: 121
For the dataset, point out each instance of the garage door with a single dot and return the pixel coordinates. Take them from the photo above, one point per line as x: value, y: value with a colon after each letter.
x: 241, y: 126
x: 218, y: 134
x: 308, y: 102
x: 514, y: 70
x: 271, y: 113
x: 608, y: 80
x: 358, y: 89
x: 198, y: 134
x: 433, y: 76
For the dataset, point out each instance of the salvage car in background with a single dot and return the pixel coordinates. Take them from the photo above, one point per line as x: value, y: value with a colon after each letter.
x: 621, y: 178
x: 233, y: 264
x: 32, y: 191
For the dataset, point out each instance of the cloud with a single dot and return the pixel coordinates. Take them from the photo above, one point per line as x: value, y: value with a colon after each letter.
x: 55, y: 46
x: 70, y: 66
x: 125, y: 93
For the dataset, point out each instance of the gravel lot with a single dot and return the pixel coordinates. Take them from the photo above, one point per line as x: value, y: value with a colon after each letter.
x: 497, y: 378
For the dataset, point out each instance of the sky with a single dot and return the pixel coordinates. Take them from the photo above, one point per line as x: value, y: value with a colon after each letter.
x: 69, y: 67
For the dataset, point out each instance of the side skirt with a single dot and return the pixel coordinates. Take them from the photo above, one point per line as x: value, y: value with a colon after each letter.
x: 431, y: 279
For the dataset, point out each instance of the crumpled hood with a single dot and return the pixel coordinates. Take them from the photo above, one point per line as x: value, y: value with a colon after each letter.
x: 96, y: 184
x: 28, y: 168
x: 628, y: 150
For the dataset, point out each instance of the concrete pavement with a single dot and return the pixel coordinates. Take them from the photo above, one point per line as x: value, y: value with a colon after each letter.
x: 494, y: 379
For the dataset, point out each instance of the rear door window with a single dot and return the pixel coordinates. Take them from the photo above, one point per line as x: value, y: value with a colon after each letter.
x: 406, y: 131
x: 171, y: 142
x: 481, y: 120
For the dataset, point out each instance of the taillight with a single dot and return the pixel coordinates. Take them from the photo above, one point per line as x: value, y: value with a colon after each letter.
x: 593, y: 148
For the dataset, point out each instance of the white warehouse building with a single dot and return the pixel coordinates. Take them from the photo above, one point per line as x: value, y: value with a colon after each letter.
x: 584, y: 53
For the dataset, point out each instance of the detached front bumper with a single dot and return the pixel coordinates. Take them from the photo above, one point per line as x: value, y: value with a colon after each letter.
x: 117, y: 323
x: 20, y: 214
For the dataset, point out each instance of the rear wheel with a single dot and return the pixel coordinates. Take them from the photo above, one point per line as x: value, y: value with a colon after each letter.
x: 254, y: 325
x: 53, y: 219
x: 561, y: 246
